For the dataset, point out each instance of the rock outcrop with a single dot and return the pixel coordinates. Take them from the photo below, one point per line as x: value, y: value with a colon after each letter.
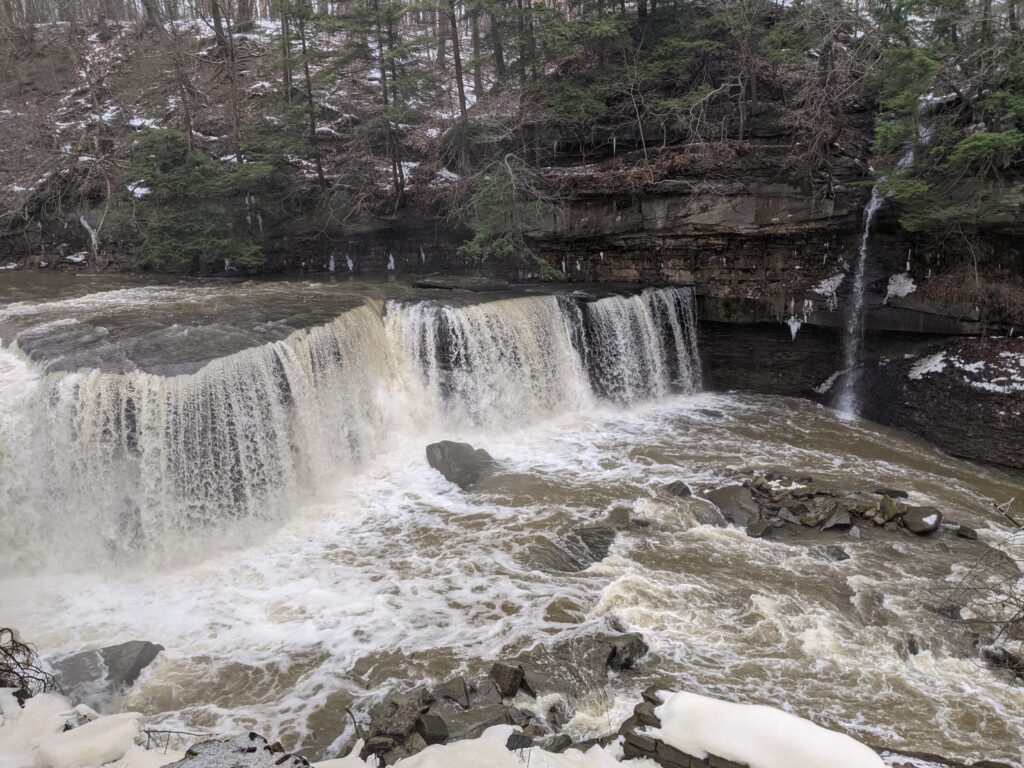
x: 94, y: 676
x: 772, y: 500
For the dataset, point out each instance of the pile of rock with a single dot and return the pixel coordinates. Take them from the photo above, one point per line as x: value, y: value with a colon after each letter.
x: 402, y: 725
x: 771, y: 500
x: 249, y: 750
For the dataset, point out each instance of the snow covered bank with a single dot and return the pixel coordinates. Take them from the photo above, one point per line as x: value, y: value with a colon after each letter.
x: 758, y: 736
x: 34, y: 737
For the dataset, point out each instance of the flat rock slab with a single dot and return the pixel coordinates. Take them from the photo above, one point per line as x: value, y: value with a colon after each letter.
x: 462, y: 283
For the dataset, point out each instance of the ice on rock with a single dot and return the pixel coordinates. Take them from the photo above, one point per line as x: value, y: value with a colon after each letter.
x: 34, y: 736
x: 759, y: 736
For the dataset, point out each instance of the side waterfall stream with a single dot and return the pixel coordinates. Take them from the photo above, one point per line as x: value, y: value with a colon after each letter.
x: 268, y: 515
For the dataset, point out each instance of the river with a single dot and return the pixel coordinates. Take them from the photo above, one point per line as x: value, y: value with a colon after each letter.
x: 236, y: 470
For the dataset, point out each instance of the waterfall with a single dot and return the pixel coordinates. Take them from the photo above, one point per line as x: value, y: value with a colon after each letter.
x: 853, y: 333
x: 100, y: 465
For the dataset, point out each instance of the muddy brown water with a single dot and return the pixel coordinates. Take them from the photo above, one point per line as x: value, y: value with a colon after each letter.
x: 374, y: 573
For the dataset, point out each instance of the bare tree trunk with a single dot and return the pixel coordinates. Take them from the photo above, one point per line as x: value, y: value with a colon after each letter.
x: 497, y: 45
x: 312, y: 106
x: 442, y: 37
x: 244, y: 16
x: 286, y: 52
x: 218, y: 27
x: 474, y: 20
x: 457, y: 60
x: 151, y: 13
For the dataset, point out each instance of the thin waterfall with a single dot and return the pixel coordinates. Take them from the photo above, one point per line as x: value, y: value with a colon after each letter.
x: 101, y: 465
x: 853, y: 334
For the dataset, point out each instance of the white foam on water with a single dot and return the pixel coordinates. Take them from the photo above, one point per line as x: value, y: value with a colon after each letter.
x: 377, y: 563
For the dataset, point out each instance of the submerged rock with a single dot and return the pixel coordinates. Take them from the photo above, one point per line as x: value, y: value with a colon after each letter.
x: 892, y: 493
x: 1001, y: 658
x: 678, y: 488
x: 837, y: 553
x: 965, y: 532
x: 575, y: 551
x: 460, y: 463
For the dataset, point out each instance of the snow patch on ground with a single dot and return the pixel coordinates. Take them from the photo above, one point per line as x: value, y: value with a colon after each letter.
x: 139, y: 123
x: 761, y: 737
x: 138, y: 189
x: 900, y: 285
x: 931, y: 364
x: 1002, y: 374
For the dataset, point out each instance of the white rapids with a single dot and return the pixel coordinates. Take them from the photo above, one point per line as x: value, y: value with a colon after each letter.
x: 272, y: 521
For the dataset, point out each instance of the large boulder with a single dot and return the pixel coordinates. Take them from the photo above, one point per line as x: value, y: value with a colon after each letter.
x: 94, y: 676
x: 581, y: 663
x: 573, y: 552
x: 736, y: 504
x: 922, y: 520
x: 460, y: 463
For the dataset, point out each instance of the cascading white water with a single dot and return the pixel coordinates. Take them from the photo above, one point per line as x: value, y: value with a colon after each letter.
x: 495, y: 363
x: 130, y: 460
x: 853, y: 334
x: 98, y: 464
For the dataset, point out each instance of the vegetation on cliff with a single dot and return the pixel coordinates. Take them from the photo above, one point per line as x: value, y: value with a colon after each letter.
x: 185, y: 135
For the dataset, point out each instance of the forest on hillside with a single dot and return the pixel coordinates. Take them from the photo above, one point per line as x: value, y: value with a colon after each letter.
x: 181, y: 133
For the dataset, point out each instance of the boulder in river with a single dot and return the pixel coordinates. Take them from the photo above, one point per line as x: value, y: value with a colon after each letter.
x: 837, y: 553
x: 581, y: 663
x: 735, y: 502
x: 922, y: 520
x: 575, y: 551
x: 678, y: 488
x: 94, y: 676
x: 839, y: 518
x: 460, y: 463
x: 966, y: 532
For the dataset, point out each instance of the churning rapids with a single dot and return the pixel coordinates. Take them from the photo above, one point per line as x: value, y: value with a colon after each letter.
x: 237, y: 471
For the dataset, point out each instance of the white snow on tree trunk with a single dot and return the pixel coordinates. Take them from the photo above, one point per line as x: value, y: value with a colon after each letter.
x: 759, y: 736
